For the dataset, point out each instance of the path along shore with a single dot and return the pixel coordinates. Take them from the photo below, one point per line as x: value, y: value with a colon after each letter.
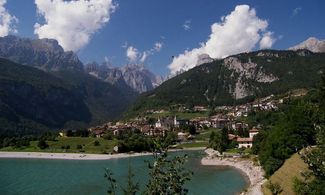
x: 67, y: 156
x: 253, y: 172
x: 77, y: 156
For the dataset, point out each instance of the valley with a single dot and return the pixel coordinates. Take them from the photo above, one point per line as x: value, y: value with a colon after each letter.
x: 162, y: 97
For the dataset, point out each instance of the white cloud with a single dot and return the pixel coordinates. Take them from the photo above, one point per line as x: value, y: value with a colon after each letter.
x: 267, y: 40
x: 186, y: 60
x: 296, y: 11
x: 187, y: 25
x: 240, y: 31
x: 7, y: 21
x: 145, y: 54
x: 72, y: 22
x: 132, y: 54
x: 158, y: 46
x: 135, y: 56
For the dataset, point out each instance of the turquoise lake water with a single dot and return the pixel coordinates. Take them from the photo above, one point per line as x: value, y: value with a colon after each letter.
x: 40, y: 176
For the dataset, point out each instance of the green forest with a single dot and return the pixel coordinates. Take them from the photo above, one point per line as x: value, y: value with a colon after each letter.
x: 298, y: 124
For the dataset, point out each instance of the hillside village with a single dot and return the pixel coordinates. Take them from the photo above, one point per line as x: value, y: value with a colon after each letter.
x: 157, y: 123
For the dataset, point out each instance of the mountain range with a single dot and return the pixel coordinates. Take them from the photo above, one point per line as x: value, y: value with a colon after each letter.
x: 236, y: 79
x: 45, y: 54
x: 136, y: 77
x: 42, y: 87
x: 48, y: 55
x: 45, y: 88
x: 34, y: 101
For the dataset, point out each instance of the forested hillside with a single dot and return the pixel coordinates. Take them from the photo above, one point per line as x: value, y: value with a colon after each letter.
x: 33, y: 101
x: 236, y: 79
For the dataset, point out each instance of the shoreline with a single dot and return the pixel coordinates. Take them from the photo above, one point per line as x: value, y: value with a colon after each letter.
x: 77, y: 156
x: 255, y: 174
x: 67, y: 156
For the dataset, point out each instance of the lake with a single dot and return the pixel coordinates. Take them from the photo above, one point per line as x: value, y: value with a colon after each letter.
x: 40, y: 176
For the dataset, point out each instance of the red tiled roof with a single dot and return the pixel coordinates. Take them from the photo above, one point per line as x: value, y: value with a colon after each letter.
x: 253, y: 130
x: 244, y: 139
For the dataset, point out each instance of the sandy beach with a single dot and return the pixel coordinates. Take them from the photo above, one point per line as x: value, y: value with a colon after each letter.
x: 254, y: 173
x: 78, y: 156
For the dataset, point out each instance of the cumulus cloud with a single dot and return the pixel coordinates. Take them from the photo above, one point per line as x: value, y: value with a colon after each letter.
x: 132, y: 54
x: 267, y: 40
x: 73, y: 22
x: 7, y: 21
x: 135, y: 56
x: 187, y: 25
x: 240, y: 31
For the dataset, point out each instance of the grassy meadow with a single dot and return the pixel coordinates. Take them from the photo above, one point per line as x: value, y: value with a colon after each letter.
x: 70, y: 145
x: 293, y: 167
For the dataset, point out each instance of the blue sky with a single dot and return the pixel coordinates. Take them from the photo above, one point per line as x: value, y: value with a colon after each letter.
x: 141, y: 24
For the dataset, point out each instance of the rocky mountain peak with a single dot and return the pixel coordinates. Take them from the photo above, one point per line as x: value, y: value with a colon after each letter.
x: 91, y: 67
x: 48, y: 55
x: 135, y: 76
x: 45, y: 54
x: 313, y: 44
x: 133, y: 67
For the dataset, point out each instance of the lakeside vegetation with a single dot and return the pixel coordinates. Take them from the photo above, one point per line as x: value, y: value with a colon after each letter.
x: 202, y: 144
x: 69, y: 144
x: 293, y: 130
x: 81, y: 143
x: 299, y: 124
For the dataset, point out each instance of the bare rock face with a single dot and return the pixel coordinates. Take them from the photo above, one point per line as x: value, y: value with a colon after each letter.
x: 45, y: 54
x: 240, y: 90
x: 140, y: 79
x: 313, y: 44
x: 136, y: 77
x: 246, y: 70
x: 267, y: 54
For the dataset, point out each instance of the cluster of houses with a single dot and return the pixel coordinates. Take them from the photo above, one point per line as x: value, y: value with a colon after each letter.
x: 264, y: 104
x: 228, y: 116
x: 159, y: 128
x: 165, y: 124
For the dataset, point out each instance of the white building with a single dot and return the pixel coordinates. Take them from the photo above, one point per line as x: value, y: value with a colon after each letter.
x: 158, y: 123
x: 253, y: 132
x: 245, y: 142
